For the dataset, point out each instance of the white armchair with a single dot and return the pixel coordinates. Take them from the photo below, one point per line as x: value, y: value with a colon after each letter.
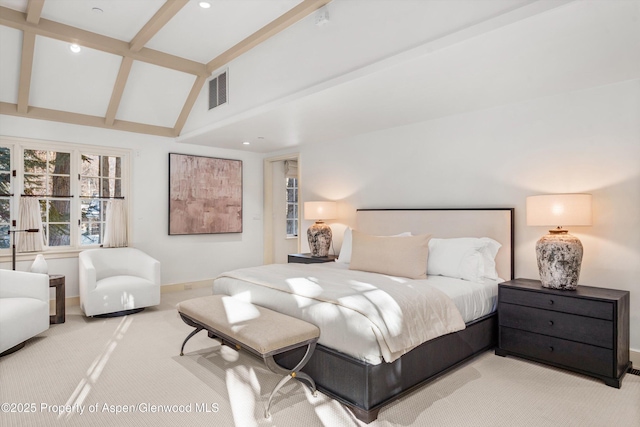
x: 24, y: 308
x: 117, y: 280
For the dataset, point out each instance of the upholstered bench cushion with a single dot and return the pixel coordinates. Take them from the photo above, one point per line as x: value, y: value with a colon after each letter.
x: 258, y: 328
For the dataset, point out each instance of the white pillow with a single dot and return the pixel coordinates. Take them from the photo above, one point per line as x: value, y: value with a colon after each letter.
x: 347, y: 245
x: 465, y: 258
x: 489, y: 252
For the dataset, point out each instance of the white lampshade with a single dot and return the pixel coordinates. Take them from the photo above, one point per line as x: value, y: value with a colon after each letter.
x: 320, y: 210
x: 559, y: 210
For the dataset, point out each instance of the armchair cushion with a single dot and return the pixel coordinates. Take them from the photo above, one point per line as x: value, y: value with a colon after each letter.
x: 24, y: 307
x: 117, y: 279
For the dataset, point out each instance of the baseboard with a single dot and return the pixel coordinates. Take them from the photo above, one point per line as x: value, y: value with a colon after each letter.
x: 68, y: 302
x: 634, y: 356
x: 175, y: 287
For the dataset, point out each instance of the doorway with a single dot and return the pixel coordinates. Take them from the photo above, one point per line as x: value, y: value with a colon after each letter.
x: 281, y: 209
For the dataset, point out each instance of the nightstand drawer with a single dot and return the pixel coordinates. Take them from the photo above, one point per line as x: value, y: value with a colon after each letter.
x: 565, y: 304
x: 562, y: 325
x: 570, y: 354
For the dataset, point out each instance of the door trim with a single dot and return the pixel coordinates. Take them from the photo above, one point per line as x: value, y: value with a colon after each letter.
x: 268, y: 204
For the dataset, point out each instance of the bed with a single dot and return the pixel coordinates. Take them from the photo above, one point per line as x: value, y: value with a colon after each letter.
x: 367, y: 370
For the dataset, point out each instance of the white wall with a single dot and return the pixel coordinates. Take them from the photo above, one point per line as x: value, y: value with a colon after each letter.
x: 586, y: 141
x: 183, y: 258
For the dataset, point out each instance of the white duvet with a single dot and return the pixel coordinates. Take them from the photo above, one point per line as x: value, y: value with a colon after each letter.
x: 399, y: 313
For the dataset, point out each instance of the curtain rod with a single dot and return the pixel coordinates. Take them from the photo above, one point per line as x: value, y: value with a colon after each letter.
x: 103, y: 197
x: 46, y: 195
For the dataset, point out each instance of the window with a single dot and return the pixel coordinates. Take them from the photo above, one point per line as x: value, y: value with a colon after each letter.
x: 72, y: 183
x: 5, y: 196
x: 292, y: 206
x: 47, y: 176
x: 100, y: 180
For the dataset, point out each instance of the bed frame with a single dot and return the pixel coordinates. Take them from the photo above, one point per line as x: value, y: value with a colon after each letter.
x: 365, y: 388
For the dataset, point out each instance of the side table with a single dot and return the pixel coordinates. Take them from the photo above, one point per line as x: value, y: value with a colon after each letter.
x: 57, y: 281
x: 308, y: 259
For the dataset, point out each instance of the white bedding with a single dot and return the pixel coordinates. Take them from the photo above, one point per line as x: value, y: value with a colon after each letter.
x: 345, y: 330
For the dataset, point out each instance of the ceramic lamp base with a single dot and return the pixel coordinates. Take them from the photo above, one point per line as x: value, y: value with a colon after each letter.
x: 559, y: 260
x: 319, y: 235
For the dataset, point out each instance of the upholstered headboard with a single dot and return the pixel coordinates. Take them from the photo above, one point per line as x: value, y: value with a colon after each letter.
x: 496, y: 223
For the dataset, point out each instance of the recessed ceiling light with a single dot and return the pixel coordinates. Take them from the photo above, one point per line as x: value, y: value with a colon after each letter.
x: 246, y: 143
x: 205, y: 4
x: 75, y: 48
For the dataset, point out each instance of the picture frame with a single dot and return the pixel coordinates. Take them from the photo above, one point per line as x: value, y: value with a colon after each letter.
x: 205, y: 195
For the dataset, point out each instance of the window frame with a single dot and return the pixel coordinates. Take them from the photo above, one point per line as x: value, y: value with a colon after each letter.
x: 18, y: 146
x: 8, y: 196
x: 296, y: 217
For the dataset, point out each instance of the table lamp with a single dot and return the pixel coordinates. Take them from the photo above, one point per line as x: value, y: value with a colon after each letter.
x: 559, y: 253
x: 319, y: 234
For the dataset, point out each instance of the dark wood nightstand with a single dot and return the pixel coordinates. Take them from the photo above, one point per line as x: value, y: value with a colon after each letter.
x: 57, y: 281
x: 586, y: 330
x: 308, y: 259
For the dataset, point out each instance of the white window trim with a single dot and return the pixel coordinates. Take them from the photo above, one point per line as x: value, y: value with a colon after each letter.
x: 17, y: 147
x: 297, y: 217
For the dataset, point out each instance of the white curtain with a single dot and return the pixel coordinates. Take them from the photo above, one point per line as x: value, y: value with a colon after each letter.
x: 29, y: 218
x: 291, y: 168
x: 115, y: 233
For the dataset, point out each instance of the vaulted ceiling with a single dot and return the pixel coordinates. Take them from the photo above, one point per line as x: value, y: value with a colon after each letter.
x: 141, y: 63
x: 297, y: 74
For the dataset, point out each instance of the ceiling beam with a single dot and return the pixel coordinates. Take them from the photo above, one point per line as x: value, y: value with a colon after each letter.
x: 151, y: 28
x: 274, y: 27
x: 188, y: 105
x: 14, y: 19
x: 34, y: 10
x: 118, y: 90
x: 85, y: 120
x: 26, y: 67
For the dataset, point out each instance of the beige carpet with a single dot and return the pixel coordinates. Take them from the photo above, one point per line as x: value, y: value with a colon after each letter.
x: 107, y: 366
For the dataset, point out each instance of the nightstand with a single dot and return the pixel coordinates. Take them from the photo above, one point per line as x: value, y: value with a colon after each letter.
x: 308, y: 259
x: 57, y: 281
x: 586, y: 330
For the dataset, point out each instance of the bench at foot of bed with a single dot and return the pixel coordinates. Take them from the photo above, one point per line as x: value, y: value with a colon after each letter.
x: 262, y: 332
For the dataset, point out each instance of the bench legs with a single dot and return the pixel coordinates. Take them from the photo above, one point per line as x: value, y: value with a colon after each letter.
x: 198, y: 329
x: 293, y: 373
x: 268, y: 360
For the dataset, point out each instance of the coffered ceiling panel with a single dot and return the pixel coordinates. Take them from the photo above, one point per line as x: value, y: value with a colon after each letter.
x: 10, y: 64
x: 120, y: 19
x: 212, y: 31
x: 154, y: 95
x: 78, y: 83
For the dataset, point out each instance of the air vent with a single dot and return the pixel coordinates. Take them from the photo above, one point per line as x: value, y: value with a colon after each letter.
x: 218, y: 90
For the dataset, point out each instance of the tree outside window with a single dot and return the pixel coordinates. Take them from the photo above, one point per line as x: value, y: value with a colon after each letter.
x: 100, y: 180
x: 5, y: 196
x: 47, y: 176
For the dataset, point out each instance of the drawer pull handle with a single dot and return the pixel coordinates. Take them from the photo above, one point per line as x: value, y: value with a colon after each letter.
x: 550, y: 302
x: 550, y: 322
x: 550, y: 348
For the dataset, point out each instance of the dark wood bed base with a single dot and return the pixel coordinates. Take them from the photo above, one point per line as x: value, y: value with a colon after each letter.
x: 365, y: 388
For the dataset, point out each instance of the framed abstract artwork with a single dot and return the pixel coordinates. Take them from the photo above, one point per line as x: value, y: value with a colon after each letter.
x: 205, y: 195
